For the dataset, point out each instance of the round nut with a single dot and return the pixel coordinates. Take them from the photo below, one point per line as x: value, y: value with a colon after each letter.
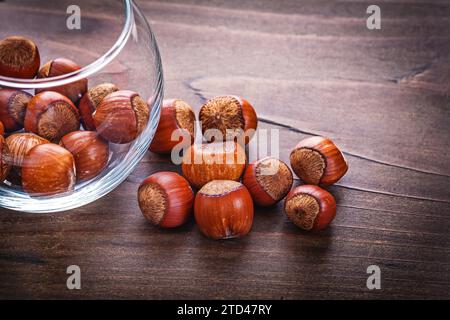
x: 19, y: 58
x: 268, y: 180
x: 232, y: 116
x: 310, y: 207
x: 224, y: 209
x: 13, y: 106
x: 166, y: 199
x: 90, y: 101
x: 90, y: 152
x: 121, y: 116
x: 51, y: 116
x: 203, y: 163
x: 317, y: 160
x: 48, y: 169
x: 176, y: 117
x: 58, y: 67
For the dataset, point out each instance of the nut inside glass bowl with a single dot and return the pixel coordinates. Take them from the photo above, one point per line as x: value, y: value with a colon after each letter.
x: 113, y: 44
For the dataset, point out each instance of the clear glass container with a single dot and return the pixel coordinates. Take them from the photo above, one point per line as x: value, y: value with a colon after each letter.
x: 112, y: 43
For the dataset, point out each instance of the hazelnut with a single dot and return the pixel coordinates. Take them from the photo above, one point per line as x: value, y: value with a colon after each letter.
x: 121, y: 116
x: 224, y: 209
x: 58, y: 67
x: 175, y: 115
x: 317, y: 160
x: 268, y: 180
x: 48, y: 169
x: 51, y: 116
x: 13, y: 105
x: 310, y: 207
x: 90, y: 152
x: 90, y: 101
x: 19, y: 58
x: 19, y: 144
x: 166, y: 199
x: 4, y: 157
x: 203, y: 163
x: 232, y: 116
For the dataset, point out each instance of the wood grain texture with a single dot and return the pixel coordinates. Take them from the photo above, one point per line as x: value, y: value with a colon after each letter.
x: 308, y: 67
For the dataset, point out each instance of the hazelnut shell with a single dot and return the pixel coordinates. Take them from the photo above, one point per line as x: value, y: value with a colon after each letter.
x: 203, y: 163
x: 228, y: 113
x: 51, y: 116
x: 268, y: 180
x: 13, y: 106
x: 175, y: 115
x: 90, y: 152
x: 90, y: 100
x: 224, y: 209
x: 48, y: 169
x: 19, y: 58
x: 317, y: 160
x: 121, y: 116
x: 4, y: 159
x: 57, y: 67
x: 310, y: 207
x: 166, y: 199
x: 20, y: 144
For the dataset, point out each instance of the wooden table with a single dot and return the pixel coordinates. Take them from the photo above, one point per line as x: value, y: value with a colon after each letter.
x: 309, y: 67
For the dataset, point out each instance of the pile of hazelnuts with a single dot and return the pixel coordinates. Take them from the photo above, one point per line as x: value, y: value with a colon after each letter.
x: 45, y: 150
x: 228, y: 187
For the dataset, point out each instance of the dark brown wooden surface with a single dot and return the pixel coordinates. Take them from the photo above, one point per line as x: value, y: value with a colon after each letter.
x: 309, y: 67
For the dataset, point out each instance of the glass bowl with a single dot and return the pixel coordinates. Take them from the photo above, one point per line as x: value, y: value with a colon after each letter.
x: 112, y: 43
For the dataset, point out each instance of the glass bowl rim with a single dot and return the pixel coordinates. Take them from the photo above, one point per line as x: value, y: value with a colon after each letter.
x: 85, y: 71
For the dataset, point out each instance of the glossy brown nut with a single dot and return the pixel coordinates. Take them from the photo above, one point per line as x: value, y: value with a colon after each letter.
x: 310, y: 207
x: 176, y: 117
x: 48, y: 169
x: 203, y: 163
x: 317, y: 160
x: 2, y: 129
x: 224, y: 209
x: 51, y: 116
x: 227, y: 113
x: 121, y: 116
x: 19, y: 58
x: 90, y: 152
x: 4, y: 159
x: 20, y: 144
x: 58, y: 67
x: 166, y: 199
x: 13, y: 106
x: 268, y: 180
x: 91, y: 99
